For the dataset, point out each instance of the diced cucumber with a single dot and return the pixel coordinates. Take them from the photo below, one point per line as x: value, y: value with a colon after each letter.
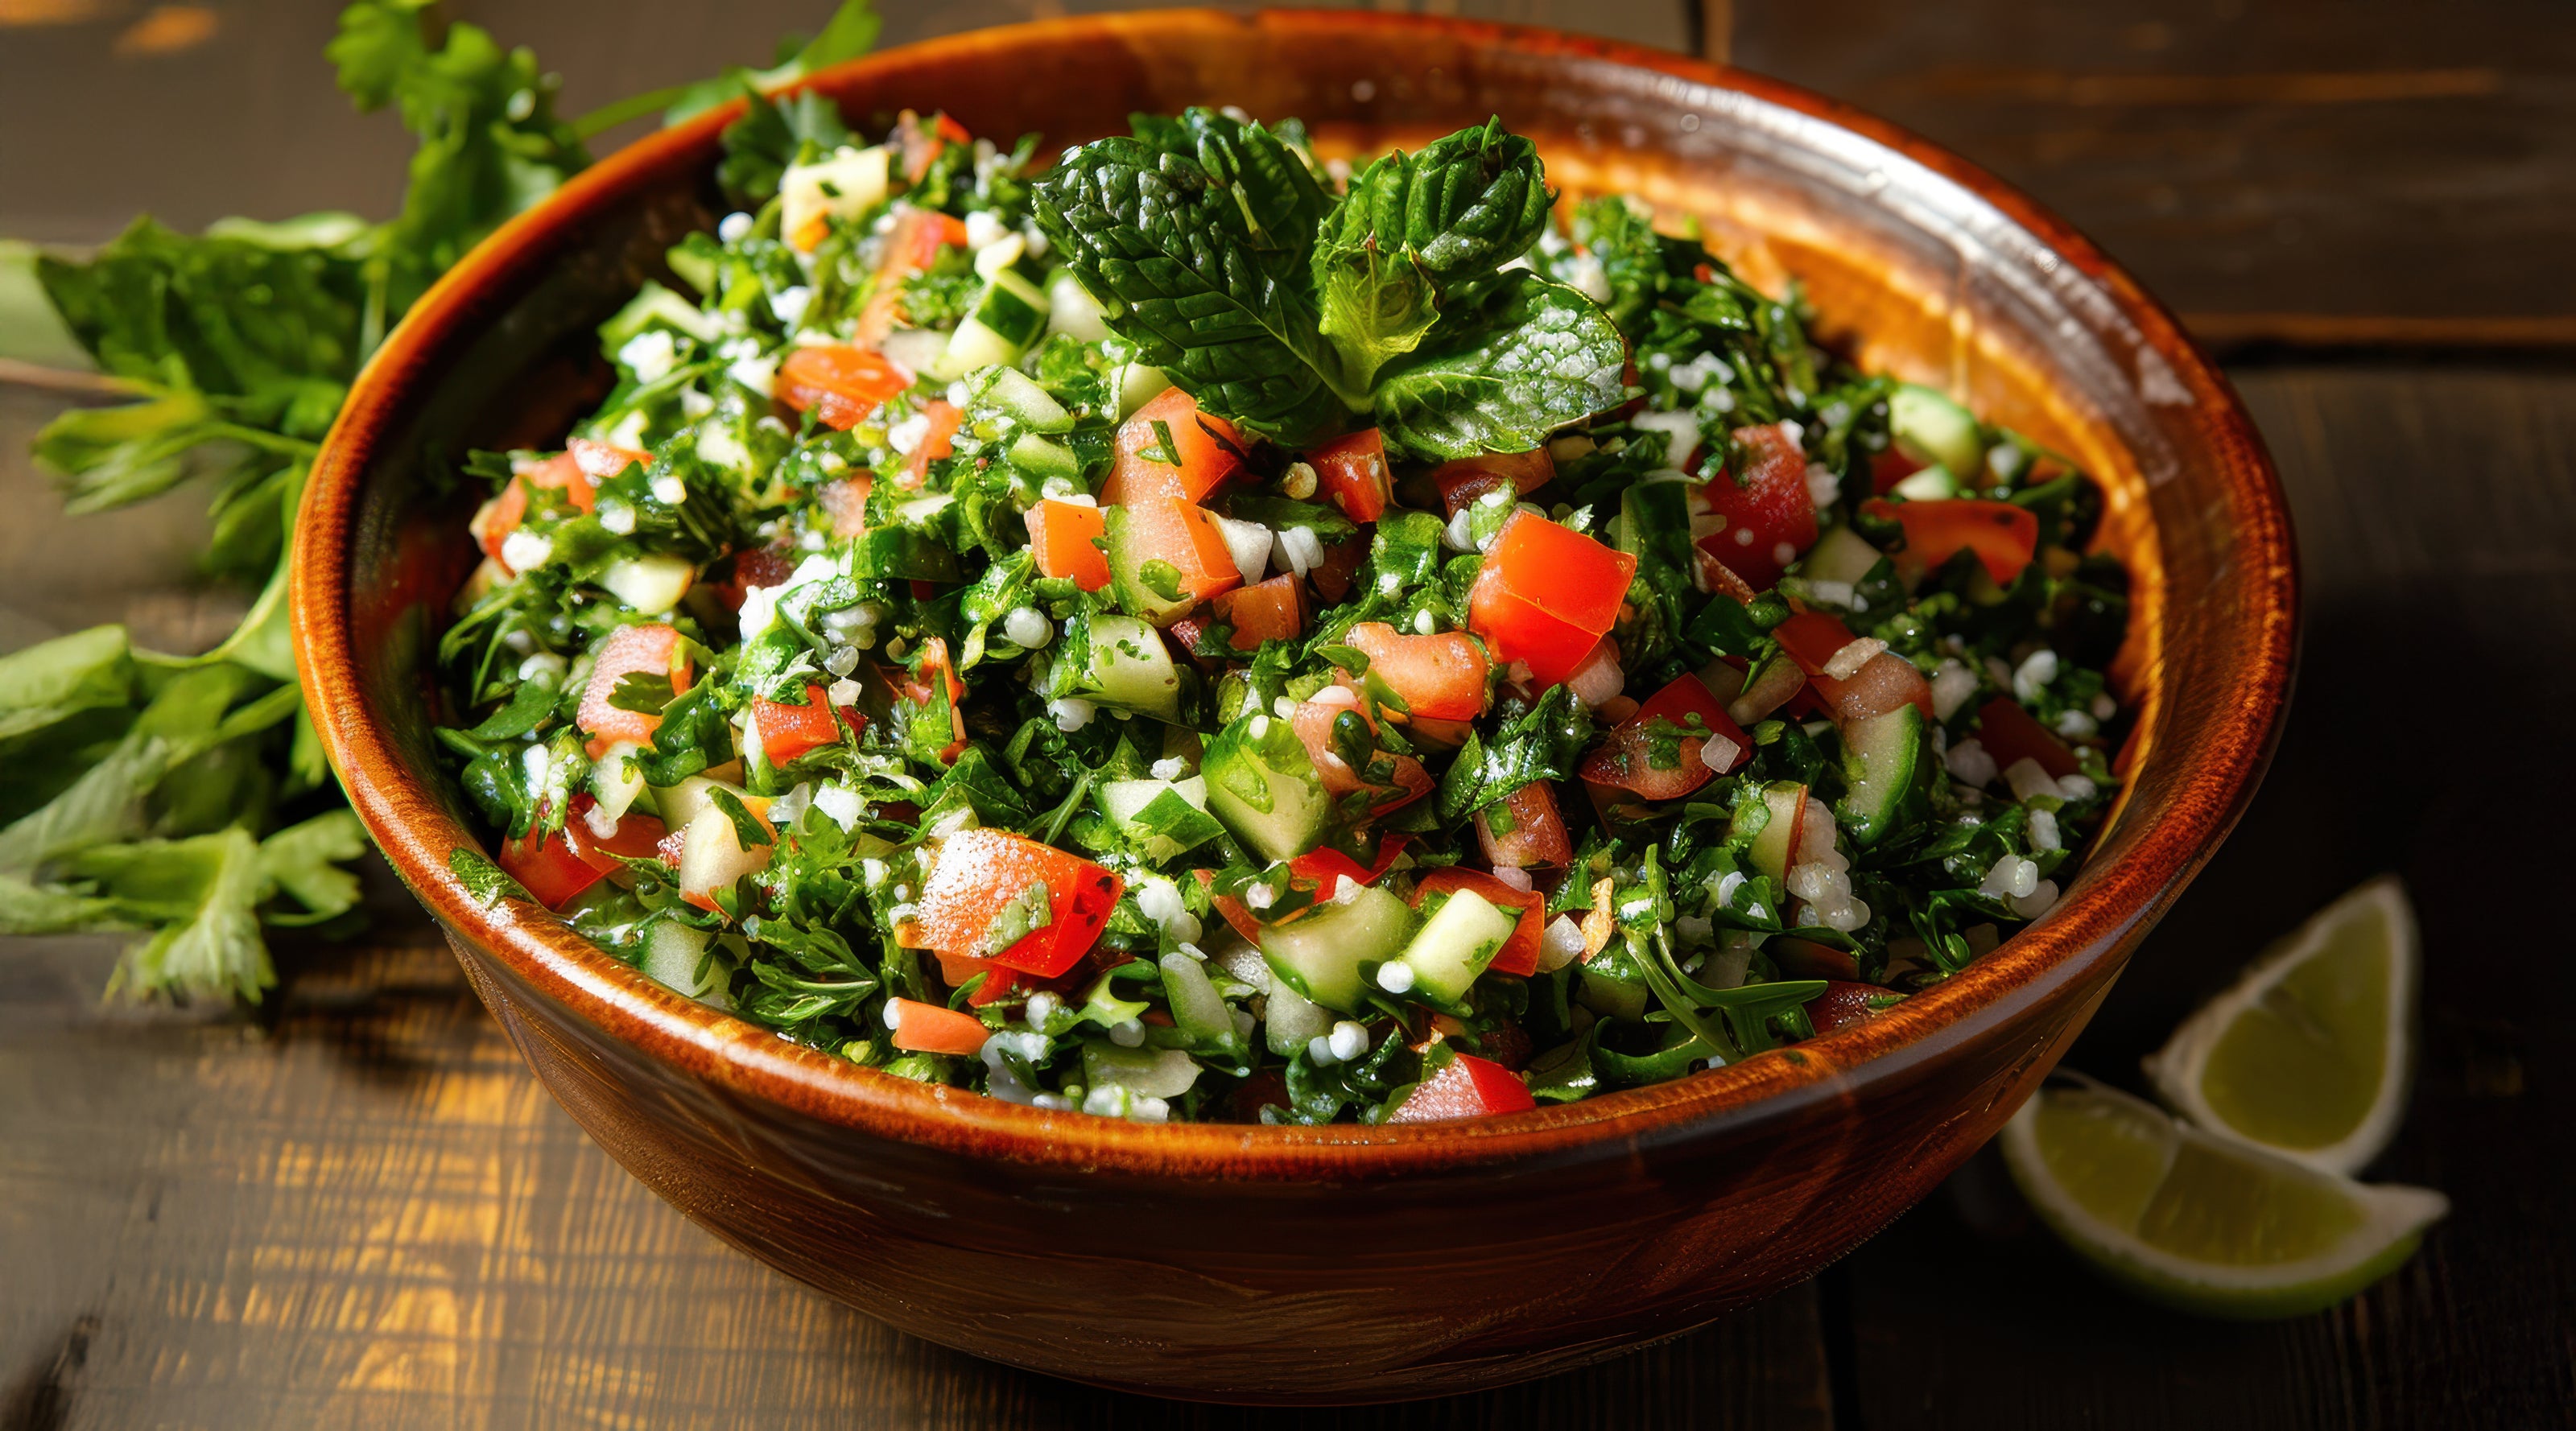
x: 1455, y: 944
x: 652, y: 583
x: 1168, y: 817
x: 1043, y: 458
x: 844, y: 184
x: 1608, y: 997
x: 1290, y: 1019
x: 1007, y: 317
x: 1264, y: 786
x: 1127, y: 581
x: 1071, y: 310
x: 1124, y: 663
x: 1321, y: 952
x: 653, y: 304
x: 1932, y: 484
x: 1139, y: 384
x: 1772, y: 851
x: 1880, y: 758
x: 1930, y: 426
x: 1018, y: 394
x: 1145, y: 1072
x: 1840, y: 555
x: 1197, y: 1009
x: 614, y: 780
x: 679, y: 956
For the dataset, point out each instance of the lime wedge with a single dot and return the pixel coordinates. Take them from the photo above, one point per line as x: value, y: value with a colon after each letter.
x: 2307, y: 1055
x: 2202, y: 1223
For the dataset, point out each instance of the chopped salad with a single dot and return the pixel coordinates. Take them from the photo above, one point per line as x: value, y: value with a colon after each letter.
x: 1202, y: 633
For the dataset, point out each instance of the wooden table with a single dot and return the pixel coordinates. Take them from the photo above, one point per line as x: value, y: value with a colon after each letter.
x: 357, y: 1210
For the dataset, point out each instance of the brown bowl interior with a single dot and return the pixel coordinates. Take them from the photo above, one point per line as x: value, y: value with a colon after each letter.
x: 1917, y: 263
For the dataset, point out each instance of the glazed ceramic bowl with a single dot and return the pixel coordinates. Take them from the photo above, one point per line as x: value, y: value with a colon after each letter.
x: 1338, y: 1264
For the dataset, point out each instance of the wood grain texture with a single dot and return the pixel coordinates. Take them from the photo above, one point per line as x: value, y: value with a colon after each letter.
x: 2375, y: 159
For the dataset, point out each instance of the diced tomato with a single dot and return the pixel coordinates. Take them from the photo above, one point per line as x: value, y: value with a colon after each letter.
x: 931, y: 667
x: 938, y: 442
x: 845, y: 503
x: 2004, y: 536
x: 1812, y: 639
x: 1470, y: 1087
x: 1547, y: 595
x: 652, y: 649
x: 922, y: 141
x: 1313, y: 721
x: 842, y: 384
x: 1439, y: 677
x: 1844, y: 1004
x: 981, y: 873
x: 548, y: 867
x: 1770, y: 516
x: 2010, y: 733
x: 956, y: 969
x: 1468, y: 479
x: 1208, y: 447
x: 786, y: 731
x: 935, y: 1028
x: 1341, y: 563
x: 1807, y: 959
x: 1352, y: 472
x: 1519, y: 954
x: 1064, y: 540
x: 1230, y: 908
x: 576, y: 472
x: 1717, y: 576
x: 1626, y: 759
x: 1320, y: 867
x: 1524, y: 830
x: 637, y: 836
x: 1167, y: 529
x: 758, y: 566
x: 1273, y: 610
x: 913, y: 245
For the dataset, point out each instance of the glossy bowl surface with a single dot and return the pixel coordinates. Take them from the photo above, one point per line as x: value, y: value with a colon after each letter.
x: 1339, y: 1264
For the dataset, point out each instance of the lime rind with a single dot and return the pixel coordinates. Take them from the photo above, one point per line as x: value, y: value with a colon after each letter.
x: 2386, y: 1227
x: 2179, y: 1069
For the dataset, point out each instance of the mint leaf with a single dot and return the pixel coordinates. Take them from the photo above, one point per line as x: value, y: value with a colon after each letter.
x: 1421, y: 232
x: 1500, y: 377
x: 1197, y: 243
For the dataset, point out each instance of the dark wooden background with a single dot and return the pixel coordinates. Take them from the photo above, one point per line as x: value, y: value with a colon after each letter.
x: 358, y: 1210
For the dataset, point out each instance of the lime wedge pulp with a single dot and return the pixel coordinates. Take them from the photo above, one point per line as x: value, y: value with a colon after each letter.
x: 2202, y: 1223
x: 2307, y: 1054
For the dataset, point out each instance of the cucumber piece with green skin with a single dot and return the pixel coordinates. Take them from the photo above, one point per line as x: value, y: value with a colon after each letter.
x: 1928, y: 425
x: 1264, y: 787
x: 1932, y: 484
x: 1773, y: 848
x: 1007, y: 317
x: 676, y: 955
x: 1139, y: 384
x: 1840, y: 555
x: 1881, y: 758
x: 1018, y: 394
x: 1321, y: 953
x: 1043, y: 458
x: 1168, y: 818
x: 651, y: 304
x: 1121, y: 662
x: 1455, y: 945
x: 1127, y: 584
x: 1608, y: 997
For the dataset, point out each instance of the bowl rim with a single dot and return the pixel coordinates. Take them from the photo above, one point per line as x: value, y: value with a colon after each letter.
x: 2090, y: 926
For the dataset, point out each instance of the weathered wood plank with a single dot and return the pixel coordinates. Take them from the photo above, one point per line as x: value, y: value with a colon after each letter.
x: 2435, y: 510
x: 2255, y: 164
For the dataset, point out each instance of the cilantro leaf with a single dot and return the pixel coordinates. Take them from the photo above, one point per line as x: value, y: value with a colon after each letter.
x: 1499, y: 378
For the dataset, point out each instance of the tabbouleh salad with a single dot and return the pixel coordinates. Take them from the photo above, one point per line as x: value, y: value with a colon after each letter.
x: 1200, y: 633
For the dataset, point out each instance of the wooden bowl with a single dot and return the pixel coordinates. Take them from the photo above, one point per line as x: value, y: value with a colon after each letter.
x: 1338, y: 1264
